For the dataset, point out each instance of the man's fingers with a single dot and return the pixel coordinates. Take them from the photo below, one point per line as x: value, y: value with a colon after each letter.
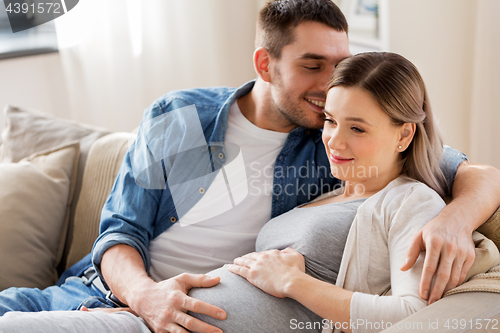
x: 173, y: 328
x: 416, y: 246
x: 195, y: 325
x: 442, y: 277
x: 195, y: 305
x: 197, y: 280
x: 467, y: 266
x: 455, y: 276
x: 430, y: 266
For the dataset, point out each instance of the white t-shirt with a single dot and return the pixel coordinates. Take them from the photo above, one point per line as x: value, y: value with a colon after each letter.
x: 223, y: 224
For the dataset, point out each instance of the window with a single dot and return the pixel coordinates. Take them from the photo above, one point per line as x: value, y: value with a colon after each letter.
x: 35, y: 40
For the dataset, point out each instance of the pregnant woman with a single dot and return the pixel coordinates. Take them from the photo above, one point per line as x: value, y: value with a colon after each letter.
x: 332, y: 261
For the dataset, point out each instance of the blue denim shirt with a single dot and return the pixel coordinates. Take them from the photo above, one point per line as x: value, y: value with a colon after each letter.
x: 145, y: 201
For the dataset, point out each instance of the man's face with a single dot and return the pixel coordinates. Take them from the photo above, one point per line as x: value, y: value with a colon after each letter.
x: 300, y: 77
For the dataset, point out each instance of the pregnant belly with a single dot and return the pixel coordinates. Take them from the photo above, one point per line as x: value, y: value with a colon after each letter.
x: 249, y: 309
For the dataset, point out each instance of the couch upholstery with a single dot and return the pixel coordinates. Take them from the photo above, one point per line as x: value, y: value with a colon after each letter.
x: 104, y: 160
x: 103, y: 152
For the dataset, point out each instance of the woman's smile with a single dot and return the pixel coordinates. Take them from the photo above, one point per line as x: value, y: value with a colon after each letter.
x: 339, y: 160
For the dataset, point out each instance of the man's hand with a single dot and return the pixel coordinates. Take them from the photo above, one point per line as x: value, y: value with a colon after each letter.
x: 269, y: 270
x: 446, y: 244
x: 164, y: 305
x: 447, y: 239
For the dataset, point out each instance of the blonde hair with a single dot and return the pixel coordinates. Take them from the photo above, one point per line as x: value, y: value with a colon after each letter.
x: 400, y: 90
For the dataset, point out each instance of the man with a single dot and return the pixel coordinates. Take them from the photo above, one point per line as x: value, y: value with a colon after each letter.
x: 275, y: 122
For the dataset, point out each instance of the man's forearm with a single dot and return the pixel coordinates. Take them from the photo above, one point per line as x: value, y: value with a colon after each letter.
x: 123, y: 270
x: 163, y: 305
x: 476, y: 195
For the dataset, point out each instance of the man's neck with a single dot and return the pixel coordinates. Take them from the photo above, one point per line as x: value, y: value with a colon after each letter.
x: 255, y: 106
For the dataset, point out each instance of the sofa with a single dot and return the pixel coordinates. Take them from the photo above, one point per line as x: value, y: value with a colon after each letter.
x: 55, y: 176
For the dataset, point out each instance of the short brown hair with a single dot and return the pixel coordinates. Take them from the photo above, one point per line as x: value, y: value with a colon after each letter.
x: 399, y: 89
x: 278, y: 18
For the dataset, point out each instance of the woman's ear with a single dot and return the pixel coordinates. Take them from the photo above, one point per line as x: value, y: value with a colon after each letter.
x: 261, y: 59
x: 406, y: 135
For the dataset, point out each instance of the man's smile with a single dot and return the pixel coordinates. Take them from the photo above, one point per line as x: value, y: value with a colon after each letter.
x: 317, y: 105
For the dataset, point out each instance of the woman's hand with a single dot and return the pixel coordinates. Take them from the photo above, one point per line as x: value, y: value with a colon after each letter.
x: 272, y: 271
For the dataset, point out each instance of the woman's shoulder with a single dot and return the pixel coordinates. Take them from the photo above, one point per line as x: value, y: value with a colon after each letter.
x: 407, y: 187
x: 404, y: 194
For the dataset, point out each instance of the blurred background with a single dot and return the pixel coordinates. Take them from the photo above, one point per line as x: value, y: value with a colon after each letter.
x: 103, y: 62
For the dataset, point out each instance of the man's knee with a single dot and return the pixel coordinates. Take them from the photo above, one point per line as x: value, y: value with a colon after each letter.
x: 18, y: 299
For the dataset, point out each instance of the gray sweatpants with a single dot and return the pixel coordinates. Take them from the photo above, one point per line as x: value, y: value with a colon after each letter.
x: 71, y: 322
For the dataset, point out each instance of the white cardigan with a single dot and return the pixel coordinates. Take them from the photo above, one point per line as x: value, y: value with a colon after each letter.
x: 375, y: 250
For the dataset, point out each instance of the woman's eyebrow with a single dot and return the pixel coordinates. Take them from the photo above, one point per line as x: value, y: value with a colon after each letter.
x: 360, y: 120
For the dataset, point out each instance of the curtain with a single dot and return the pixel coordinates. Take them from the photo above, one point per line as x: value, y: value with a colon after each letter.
x: 120, y: 55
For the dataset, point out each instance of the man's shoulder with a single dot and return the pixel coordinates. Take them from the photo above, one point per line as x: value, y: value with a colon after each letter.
x: 206, y: 98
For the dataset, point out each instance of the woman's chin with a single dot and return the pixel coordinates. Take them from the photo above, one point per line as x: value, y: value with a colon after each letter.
x: 339, y: 172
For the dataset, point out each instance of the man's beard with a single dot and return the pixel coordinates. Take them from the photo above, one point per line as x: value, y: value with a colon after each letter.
x: 291, y: 113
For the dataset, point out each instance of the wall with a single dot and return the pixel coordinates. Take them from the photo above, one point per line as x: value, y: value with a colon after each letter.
x: 437, y: 36
x: 456, y: 46
x: 36, y: 82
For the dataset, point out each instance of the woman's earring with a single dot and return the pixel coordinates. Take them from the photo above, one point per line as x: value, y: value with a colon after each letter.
x: 400, y: 147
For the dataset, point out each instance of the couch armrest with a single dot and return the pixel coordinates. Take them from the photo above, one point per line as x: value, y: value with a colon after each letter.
x: 455, y: 313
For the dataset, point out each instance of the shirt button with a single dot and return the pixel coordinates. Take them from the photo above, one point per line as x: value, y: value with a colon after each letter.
x: 173, y: 219
x: 221, y: 155
x: 202, y: 190
x: 308, y: 132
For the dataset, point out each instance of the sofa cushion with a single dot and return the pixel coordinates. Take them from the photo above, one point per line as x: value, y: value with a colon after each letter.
x: 491, y: 228
x: 28, y: 131
x: 34, y: 195
x: 104, y: 160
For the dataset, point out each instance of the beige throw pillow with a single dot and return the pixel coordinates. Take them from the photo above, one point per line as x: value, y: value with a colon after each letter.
x: 28, y: 131
x: 34, y: 198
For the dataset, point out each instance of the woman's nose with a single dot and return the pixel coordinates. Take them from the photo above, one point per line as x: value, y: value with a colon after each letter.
x: 337, y: 140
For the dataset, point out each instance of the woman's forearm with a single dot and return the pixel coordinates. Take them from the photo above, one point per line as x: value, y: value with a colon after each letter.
x: 326, y: 300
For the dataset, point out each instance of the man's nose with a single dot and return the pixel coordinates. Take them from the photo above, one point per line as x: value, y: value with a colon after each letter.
x: 324, y: 80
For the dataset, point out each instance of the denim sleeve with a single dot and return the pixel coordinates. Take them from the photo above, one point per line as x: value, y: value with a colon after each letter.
x: 449, y: 164
x: 127, y: 217
x: 129, y: 214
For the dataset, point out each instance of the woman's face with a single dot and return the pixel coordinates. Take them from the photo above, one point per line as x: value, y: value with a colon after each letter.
x: 360, y: 139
